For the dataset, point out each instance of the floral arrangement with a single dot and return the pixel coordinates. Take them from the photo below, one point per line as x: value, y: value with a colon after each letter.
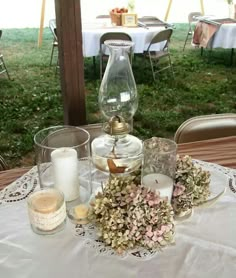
x: 191, y: 186
x: 119, y: 10
x: 128, y: 216
x: 115, y: 15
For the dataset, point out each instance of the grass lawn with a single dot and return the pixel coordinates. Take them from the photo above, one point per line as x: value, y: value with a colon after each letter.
x: 32, y: 100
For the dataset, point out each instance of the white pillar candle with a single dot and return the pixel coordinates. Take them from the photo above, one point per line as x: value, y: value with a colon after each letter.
x: 159, y: 182
x: 65, y: 172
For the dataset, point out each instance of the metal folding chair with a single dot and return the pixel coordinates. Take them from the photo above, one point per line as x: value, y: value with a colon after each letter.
x: 206, y: 127
x: 3, y: 68
x: 156, y: 56
x: 52, y: 26
x: 192, y: 19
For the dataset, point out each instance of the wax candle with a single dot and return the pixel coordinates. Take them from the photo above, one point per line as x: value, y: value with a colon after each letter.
x: 45, y: 203
x: 47, y: 211
x: 65, y: 172
x: 81, y: 214
x: 159, y: 182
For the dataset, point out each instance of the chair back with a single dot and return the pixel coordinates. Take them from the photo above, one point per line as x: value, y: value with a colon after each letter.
x: 112, y: 36
x: 53, y: 28
x: 192, y: 17
x: 206, y: 127
x: 161, y: 36
x: 94, y: 130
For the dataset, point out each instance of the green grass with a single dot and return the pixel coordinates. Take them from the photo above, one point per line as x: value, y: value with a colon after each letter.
x: 32, y: 100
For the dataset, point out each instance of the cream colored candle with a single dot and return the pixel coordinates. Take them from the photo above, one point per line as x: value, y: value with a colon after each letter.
x: 47, y: 211
x: 81, y: 213
x: 45, y: 204
x: 65, y: 172
x: 159, y: 182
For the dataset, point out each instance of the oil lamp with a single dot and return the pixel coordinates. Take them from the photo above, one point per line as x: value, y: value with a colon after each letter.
x: 117, y: 152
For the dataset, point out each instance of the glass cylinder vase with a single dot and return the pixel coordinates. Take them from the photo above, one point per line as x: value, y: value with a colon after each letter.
x: 63, y: 161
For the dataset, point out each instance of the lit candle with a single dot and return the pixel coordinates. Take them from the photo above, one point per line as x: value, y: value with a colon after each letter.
x: 159, y: 182
x: 65, y: 172
x: 81, y: 214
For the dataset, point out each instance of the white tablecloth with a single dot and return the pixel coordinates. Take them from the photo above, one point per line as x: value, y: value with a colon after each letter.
x: 225, y: 37
x: 140, y: 36
x: 205, y: 244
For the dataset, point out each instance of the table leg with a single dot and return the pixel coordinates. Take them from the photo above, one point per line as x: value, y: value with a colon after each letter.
x: 231, y: 56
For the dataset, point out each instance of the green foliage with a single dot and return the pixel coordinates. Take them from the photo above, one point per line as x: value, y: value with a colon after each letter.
x: 32, y: 100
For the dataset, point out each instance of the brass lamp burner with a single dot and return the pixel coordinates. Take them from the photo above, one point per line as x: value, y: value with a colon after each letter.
x: 116, y: 126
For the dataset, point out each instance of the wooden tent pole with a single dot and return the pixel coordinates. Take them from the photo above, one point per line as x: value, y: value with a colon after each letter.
x: 170, y: 3
x: 41, y: 23
x: 69, y: 31
x: 202, y: 7
x: 168, y: 10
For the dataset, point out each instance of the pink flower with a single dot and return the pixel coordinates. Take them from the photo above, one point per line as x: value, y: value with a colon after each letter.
x: 151, y: 203
x: 155, y: 238
x: 178, y: 189
x: 149, y: 232
x: 165, y: 228
x: 133, y: 230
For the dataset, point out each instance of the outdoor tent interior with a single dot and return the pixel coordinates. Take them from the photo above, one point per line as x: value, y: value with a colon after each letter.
x: 69, y: 15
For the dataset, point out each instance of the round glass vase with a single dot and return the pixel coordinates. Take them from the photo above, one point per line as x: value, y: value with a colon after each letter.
x: 118, y: 92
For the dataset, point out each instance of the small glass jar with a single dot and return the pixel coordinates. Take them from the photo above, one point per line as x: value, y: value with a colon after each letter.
x: 159, y: 165
x: 47, y: 211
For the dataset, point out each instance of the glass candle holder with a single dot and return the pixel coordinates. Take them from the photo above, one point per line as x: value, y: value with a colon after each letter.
x: 159, y: 165
x: 63, y: 160
x: 47, y: 211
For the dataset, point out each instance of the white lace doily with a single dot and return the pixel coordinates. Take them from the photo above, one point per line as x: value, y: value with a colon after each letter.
x: 19, y: 190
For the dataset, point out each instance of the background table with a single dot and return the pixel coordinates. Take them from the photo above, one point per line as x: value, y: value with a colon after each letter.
x: 224, y: 34
x: 225, y: 37
x: 140, y: 36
